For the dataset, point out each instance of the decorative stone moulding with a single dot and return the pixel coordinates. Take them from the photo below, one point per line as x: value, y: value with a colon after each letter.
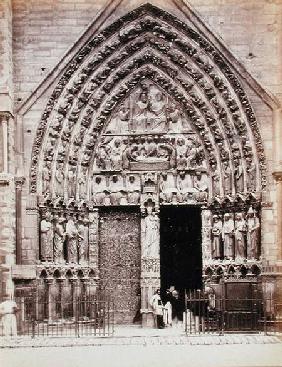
x: 124, y: 103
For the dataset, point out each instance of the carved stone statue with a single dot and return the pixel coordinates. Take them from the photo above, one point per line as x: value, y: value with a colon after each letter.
x: 167, y: 186
x: 116, y: 154
x: 59, y: 238
x: 82, y: 240
x: 59, y: 177
x: 251, y: 179
x: 82, y: 183
x: 175, y: 118
x: 215, y: 181
x: 184, y: 185
x: 116, y: 185
x: 151, y: 240
x: 201, y: 184
x: 228, y: 236
x: 239, y: 177
x: 216, y: 237
x: 140, y: 118
x: 71, y: 182
x: 46, y: 237
x: 46, y: 177
x: 72, y: 237
x: 133, y: 188
x: 253, y: 227
x: 98, y: 187
x: 240, y: 236
x: 227, y: 177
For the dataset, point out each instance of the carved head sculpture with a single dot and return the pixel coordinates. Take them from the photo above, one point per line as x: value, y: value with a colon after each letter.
x: 180, y: 141
x: 215, y: 218
x: 117, y: 143
x: 131, y: 179
x: 159, y: 97
x: 227, y: 216
x: 115, y: 178
x: 143, y: 97
x: 250, y: 213
x: 98, y: 180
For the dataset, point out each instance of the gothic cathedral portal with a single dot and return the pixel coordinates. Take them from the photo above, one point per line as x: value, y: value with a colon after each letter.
x: 147, y: 166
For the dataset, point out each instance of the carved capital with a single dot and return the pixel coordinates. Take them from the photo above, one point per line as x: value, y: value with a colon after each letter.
x: 4, y: 117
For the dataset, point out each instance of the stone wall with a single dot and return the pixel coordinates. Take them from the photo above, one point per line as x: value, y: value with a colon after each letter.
x: 43, y: 30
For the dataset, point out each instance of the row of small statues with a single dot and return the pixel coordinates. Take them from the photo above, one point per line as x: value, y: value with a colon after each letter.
x: 236, y: 237
x: 64, y: 239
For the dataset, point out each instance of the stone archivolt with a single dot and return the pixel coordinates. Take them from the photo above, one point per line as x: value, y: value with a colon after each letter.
x: 149, y: 96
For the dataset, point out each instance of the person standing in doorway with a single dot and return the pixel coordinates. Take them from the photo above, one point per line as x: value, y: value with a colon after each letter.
x: 157, y: 306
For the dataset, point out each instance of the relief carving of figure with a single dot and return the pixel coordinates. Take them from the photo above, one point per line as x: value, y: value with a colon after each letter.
x: 239, y: 177
x: 140, y: 118
x: 151, y: 245
x: 133, y: 187
x: 185, y: 185
x: 215, y: 181
x: 59, y: 178
x: 103, y: 158
x: 71, y: 182
x: 82, y: 183
x: 168, y: 186
x: 46, y: 237
x: 157, y: 116
x: 175, y: 117
x: 116, y: 186
x: 82, y: 240
x: 181, y: 154
x: 253, y: 227
x: 72, y: 238
x: 98, y: 187
x: 59, y: 238
x: 46, y: 177
x: 116, y: 155
x: 216, y: 237
x: 251, y: 170
x: 201, y: 184
x: 240, y: 236
x: 120, y: 124
x: 228, y: 236
x: 227, y: 177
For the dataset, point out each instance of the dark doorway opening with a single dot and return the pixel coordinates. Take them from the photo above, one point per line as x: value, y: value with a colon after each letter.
x: 180, y: 248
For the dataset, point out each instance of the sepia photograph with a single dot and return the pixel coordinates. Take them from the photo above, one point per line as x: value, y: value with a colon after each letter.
x: 141, y: 183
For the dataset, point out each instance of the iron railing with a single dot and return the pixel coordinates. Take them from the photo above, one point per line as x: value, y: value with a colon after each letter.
x: 208, y: 313
x: 83, y: 316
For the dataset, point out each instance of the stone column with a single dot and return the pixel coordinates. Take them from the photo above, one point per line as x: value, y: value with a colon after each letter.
x: 19, y: 183
x: 4, y: 120
x: 94, y: 239
x: 150, y: 263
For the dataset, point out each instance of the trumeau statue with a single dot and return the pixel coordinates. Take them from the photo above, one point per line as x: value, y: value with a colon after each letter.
x: 46, y: 237
x: 59, y: 238
x: 228, y: 236
x: 151, y: 242
x: 216, y: 237
x: 240, y: 236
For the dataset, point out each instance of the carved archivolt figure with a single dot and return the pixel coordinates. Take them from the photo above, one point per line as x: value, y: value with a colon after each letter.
x: 151, y: 245
x: 59, y: 176
x: 239, y: 177
x: 216, y: 237
x: 215, y: 181
x: 59, y: 238
x: 228, y: 236
x: 72, y: 237
x: 46, y: 237
x: 240, y: 236
x: 71, y: 182
x: 227, y: 177
x: 82, y: 183
x: 46, y: 177
x: 253, y: 227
